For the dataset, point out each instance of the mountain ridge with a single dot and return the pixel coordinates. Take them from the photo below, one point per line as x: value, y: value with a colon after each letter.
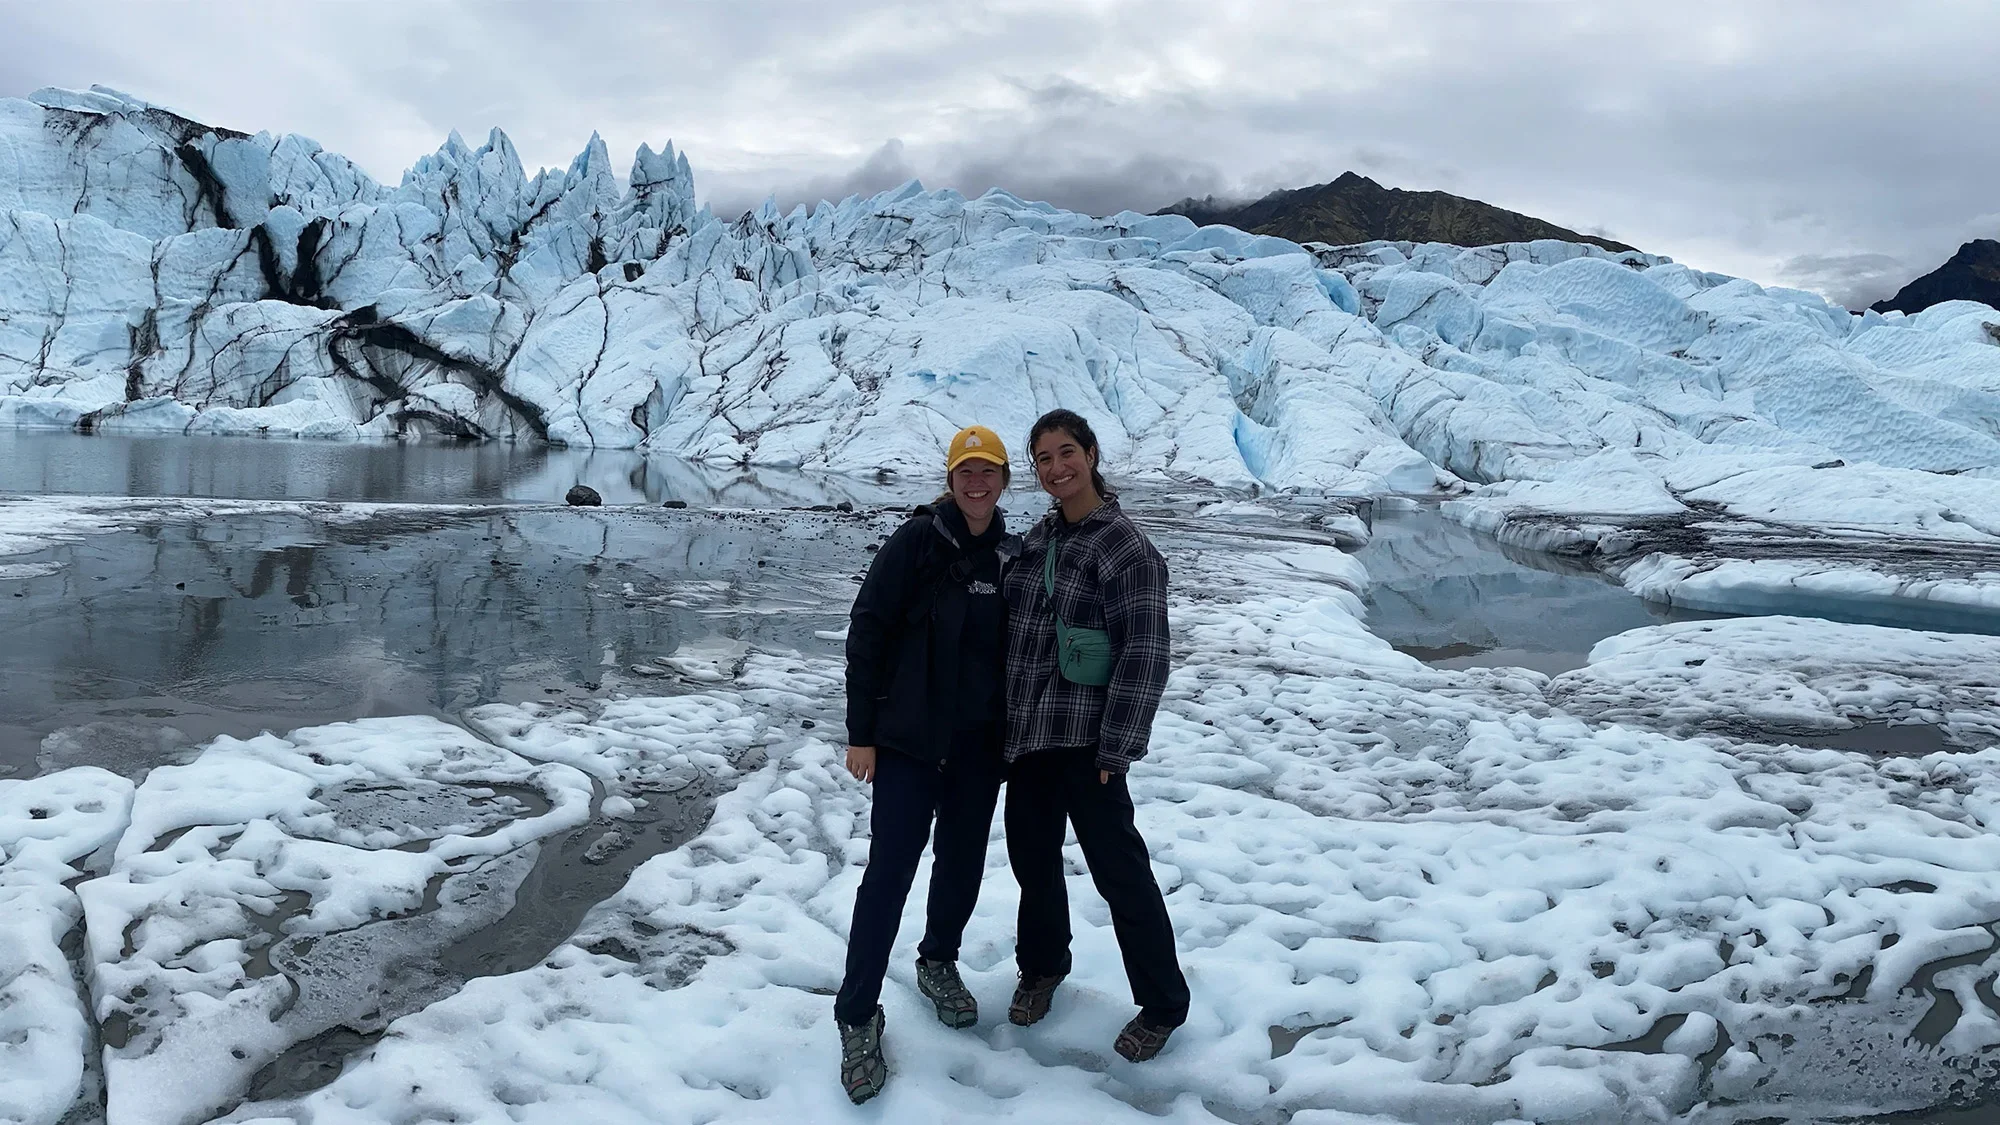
x: 1353, y: 208
x: 1970, y: 274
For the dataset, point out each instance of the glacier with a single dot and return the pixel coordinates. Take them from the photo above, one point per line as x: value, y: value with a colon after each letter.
x: 157, y: 274
x: 1641, y: 889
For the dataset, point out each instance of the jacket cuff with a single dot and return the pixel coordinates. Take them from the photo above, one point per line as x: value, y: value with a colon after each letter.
x: 860, y: 728
x: 1110, y: 760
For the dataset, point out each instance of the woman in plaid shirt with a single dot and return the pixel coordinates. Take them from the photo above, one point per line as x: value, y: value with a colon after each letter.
x: 1069, y: 743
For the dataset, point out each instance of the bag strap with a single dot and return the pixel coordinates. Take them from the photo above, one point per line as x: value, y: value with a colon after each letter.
x: 1049, y: 587
x: 928, y: 582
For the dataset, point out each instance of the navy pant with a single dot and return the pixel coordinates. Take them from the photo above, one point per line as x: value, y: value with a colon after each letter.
x: 909, y: 795
x: 1044, y: 788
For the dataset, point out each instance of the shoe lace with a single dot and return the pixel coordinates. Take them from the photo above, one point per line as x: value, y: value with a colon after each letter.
x: 857, y: 1042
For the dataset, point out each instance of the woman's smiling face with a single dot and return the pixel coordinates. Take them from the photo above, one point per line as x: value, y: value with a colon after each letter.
x: 976, y: 486
x: 1062, y: 465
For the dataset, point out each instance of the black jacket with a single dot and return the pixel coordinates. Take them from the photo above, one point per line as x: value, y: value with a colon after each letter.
x: 903, y: 635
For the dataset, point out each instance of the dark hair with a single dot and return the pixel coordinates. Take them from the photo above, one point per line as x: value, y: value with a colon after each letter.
x: 1071, y: 423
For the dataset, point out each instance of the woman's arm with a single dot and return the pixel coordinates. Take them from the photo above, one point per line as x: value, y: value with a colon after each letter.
x: 1135, y: 614
x: 871, y: 629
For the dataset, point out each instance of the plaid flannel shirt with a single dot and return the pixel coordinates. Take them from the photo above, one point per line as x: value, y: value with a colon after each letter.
x: 1110, y: 577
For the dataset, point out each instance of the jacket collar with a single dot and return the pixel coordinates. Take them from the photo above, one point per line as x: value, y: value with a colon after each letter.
x: 1054, y: 524
x: 949, y: 523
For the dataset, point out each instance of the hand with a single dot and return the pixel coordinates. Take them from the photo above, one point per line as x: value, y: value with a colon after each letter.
x: 861, y: 762
x: 1104, y: 777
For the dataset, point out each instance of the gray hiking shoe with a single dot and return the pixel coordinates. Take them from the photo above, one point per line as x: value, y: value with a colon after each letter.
x: 940, y: 981
x: 1031, y: 999
x: 863, y: 1069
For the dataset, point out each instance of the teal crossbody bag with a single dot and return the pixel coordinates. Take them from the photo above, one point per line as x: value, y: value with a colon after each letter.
x: 1083, y: 656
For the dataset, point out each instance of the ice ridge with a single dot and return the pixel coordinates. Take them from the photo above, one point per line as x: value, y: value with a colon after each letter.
x: 157, y: 274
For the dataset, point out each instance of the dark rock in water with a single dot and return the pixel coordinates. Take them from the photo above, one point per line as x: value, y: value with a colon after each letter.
x: 844, y: 506
x: 822, y: 507
x: 582, y: 496
x: 1355, y: 208
x: 1972, y: 274
x: 675, y: 504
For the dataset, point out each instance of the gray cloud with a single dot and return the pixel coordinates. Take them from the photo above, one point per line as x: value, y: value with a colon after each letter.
x: 1813, y: 142
x: 1855, y: 280
x: 1143, y: 182
x: 885, y: 168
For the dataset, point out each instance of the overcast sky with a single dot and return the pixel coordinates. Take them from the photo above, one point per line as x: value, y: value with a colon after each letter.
x: 1845, y: 147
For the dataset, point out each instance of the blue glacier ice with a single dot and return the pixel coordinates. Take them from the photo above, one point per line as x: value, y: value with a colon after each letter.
x: 158, y: 274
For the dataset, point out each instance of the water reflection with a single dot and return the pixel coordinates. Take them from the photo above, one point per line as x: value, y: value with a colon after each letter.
x: 1456, y: 599
x: 417, y: 472
x: 136, y: 643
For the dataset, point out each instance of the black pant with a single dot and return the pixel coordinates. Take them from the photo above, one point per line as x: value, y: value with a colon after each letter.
x: 909, y: 794
x: 1044, y: 788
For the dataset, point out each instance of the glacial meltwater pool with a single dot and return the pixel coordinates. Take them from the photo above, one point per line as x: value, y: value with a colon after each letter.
x: 1454, y: 598
x: 175, y: 626
x: 429, y: 471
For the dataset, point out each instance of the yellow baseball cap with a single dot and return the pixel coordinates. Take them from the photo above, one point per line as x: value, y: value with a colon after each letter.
x: 975, y: 443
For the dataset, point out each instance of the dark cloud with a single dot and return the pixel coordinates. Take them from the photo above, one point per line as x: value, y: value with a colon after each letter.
x: 1828, y: 143
x: 885, y: 168
x: 1854, y: 280
x: 1063, y: 95
x: 1145, y: 182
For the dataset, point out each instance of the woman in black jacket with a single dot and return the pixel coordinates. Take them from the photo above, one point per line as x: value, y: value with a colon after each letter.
x: 1087, y: 661
x: 925, y: 721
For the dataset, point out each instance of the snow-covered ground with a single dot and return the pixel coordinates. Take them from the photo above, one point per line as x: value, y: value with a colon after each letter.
x: 1773, y: 533
x: 1644, y: 889
x: 1632, y: 892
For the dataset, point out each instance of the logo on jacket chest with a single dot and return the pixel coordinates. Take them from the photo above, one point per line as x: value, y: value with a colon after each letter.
x: 979, y: 586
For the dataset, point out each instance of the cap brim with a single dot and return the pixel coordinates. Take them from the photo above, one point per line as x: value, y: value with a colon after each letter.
x: 976, y: 455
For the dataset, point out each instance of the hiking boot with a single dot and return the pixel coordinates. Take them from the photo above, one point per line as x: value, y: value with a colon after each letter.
x: 940, y: 981
x: 1141, y: 1039
x: 1031, y: 999
x: 863, y: 1070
